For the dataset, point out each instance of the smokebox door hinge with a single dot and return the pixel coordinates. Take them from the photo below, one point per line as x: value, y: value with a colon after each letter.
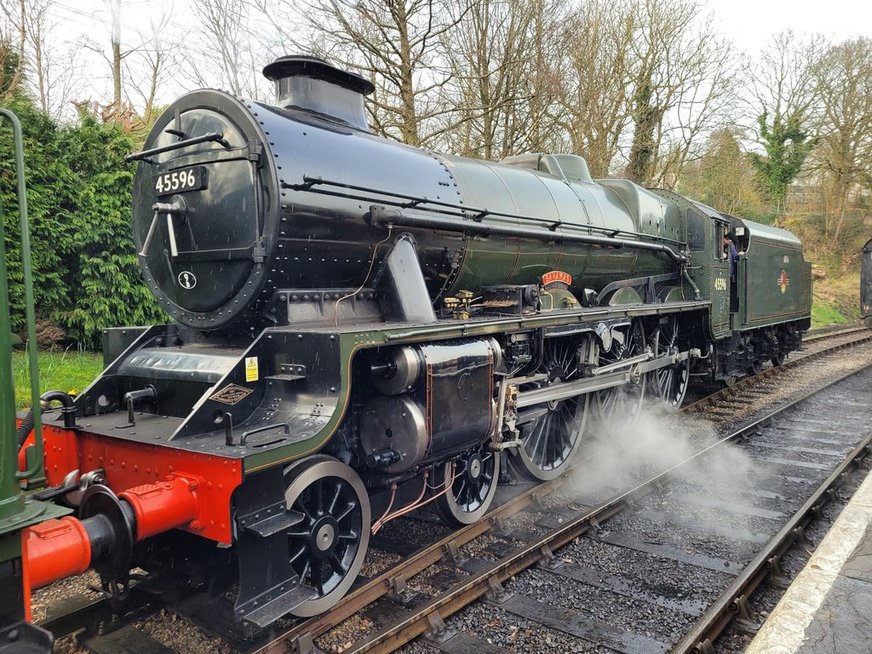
x: 258, y: 251
x: 255, y: 150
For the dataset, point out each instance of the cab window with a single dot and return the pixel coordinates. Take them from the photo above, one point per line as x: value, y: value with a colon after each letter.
x: 720, y: 232
x: 696, y: 224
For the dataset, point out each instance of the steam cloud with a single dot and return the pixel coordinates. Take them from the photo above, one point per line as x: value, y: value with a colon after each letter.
x: 617, y: 457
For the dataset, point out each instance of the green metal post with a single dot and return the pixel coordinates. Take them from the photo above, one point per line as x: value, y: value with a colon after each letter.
x: 11, y: 499
x: 7, y: 412
x: 16, y: 511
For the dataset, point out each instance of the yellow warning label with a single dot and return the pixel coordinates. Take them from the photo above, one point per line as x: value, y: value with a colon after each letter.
x: 251, y: 374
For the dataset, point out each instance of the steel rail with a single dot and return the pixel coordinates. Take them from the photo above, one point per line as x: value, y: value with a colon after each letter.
x: 832, y: 331
x: 391, y: 580
x: 709, y: 626
x: 98, y: 615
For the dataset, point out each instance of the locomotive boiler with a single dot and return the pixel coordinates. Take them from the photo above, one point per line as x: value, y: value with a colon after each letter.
x: 361, y: 328
x: 252, y: 199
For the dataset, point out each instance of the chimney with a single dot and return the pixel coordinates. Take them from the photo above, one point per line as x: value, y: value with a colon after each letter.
x: 312, y: 84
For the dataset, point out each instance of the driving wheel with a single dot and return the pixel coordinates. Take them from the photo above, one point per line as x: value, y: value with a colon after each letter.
x: 619, y: 405
x: 550, y: 432
x: 670, y: 383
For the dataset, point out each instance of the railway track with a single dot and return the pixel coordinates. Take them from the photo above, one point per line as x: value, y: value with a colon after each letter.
x: 814, y: 346
x: 655, y: 533
x: 402, y: 601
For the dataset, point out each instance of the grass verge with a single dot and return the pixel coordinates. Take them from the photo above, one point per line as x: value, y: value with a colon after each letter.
x: 58, y: 370
x: 836, y: 300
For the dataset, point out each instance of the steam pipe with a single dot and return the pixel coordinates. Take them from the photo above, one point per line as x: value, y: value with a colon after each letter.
x: 384, y: 216
x: 134, y: 398
x: 690, y: 281
x: 68, y: 407
x: 68, y: 411
x: 406, y: 201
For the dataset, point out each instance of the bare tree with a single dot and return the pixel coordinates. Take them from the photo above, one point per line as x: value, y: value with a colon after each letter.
x: 55, y: 66
x: 781, y: 80
x: 8, y: 64
x: 116, y: 109
x: 396, y: 43
x: 228, y: 51
x: 499, y: 77
x: 45, y: 68
x: 147, y: 66
x: 483, y: 55
x: 596, y: 44
x: 723, y: 176
x: 115, y: 7
x: 705, y: 103
x: 844, y: 84
x: 543, y: 81
x: 682, y: 79
x: 14, y: 61
x: 35, y: 21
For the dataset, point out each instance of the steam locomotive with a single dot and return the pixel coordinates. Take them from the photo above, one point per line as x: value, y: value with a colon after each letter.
x: 361, y: 328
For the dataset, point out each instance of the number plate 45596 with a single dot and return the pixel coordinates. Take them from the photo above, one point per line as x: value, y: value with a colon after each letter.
x: 180, y: 181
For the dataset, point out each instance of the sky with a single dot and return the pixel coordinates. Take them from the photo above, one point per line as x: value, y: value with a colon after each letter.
x: 748, y: 23
x: 751, y: 23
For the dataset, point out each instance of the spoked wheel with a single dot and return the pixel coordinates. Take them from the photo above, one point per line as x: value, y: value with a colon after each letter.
x: 755, y: 368
x: 551, y: 431
x: 778, y: 359
x: 327, y: 548
x: 670, y: 383
x: 469, y: 483
x: 619, y: 405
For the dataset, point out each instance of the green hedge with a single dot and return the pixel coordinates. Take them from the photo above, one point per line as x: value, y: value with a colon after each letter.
x: 85, y: 272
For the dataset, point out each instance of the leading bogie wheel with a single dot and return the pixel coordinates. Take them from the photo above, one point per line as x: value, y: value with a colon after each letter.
x: 328, y: 547
x: 466, y: 485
